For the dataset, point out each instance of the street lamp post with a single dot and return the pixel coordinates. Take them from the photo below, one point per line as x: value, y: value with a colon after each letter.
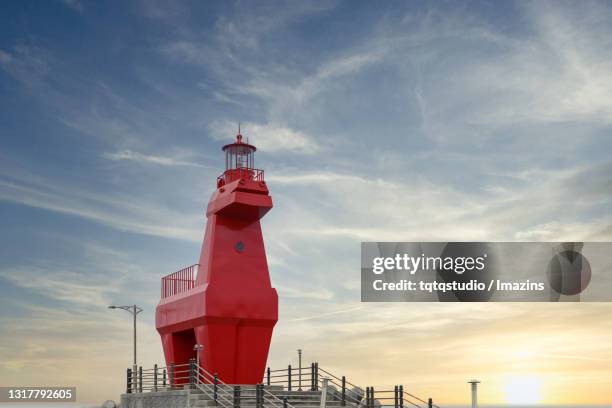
x: 198, y: 348
x: 299, y: 369
x: 134, y: 310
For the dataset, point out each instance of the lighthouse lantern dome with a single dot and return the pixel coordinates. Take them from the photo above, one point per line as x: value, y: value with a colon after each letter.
x: 239, y: 162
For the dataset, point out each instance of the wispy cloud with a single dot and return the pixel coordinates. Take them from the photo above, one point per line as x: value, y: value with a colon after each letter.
x: 269, y: 137
x: 123, y: 213
x: 299, y: 293
x: 76, y: 5
x: 63, y: 285
x: 26, y: 63
x: 129, y: 155
x: 325, y: 315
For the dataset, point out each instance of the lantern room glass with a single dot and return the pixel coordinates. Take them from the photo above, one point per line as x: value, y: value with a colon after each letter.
x: 239, y: 156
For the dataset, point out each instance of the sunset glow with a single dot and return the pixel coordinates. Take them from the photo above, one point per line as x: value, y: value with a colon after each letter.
x: 523, y: 390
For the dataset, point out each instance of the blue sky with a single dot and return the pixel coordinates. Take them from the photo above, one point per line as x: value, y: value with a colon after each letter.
x: 374, y: 121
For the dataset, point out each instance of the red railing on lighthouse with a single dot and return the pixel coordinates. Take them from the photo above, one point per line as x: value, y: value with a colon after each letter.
x: 179, y: 281
x: 239, y: 162
x: 240, y: 173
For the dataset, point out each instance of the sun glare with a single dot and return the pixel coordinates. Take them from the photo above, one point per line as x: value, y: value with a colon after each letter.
x: 523, y: 390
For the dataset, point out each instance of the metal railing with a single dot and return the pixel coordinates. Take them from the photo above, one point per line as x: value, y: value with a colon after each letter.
x: 262, y: 396
x: 210, y: 385
x: 340, y: 389
x: 157, y: 378
x: 312, y: 378
x: 397, y: 398
x: 179, y: 281
x: 294, y: 378
x: 347, y: 395
x: 192, y: 376
x: 240, y: 173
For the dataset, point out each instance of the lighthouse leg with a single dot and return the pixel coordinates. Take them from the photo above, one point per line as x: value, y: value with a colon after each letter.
x: 218, y: 336
x: 168, y: 347
x: 252, y: 346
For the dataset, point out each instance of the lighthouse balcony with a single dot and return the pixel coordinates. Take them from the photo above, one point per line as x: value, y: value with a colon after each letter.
x: 245, y: 173
x: 179, y: 281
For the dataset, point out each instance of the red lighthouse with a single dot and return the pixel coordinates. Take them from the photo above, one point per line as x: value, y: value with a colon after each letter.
x: 230, y: 308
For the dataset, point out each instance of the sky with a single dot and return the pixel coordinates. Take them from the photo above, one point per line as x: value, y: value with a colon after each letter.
x: 387, y: 121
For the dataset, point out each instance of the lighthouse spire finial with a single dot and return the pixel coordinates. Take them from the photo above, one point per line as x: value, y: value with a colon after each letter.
x: 239, y: 136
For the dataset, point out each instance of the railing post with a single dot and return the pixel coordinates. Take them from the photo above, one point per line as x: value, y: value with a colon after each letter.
x: 371, y: 397
x: 140, y: 379
x: 236, y: 396
x: 155, y: 377
x: 316, y: 376
x: 191, y: 372
x: 343, y: 401
x: 128, y: 388
x: 171, y: 375
x: 289, y: 378
x: 268, y: 376
x: 259, y: 395
x: 367, y: 396
x: 284, y: 402
x: 164, y: 378
x: 312, y: 379
x: 396, y: 396
x: 401, y: 396
x: 430, y: 403
x: 215, y: 386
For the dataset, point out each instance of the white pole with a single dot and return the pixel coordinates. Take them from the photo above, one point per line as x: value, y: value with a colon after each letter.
x: 324, y: 392
x: 474, y: 384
